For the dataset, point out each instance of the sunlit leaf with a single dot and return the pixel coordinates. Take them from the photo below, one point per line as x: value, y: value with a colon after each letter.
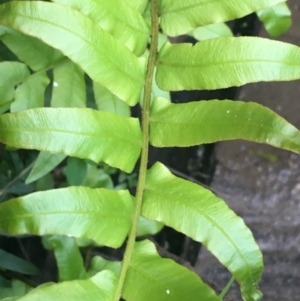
x: 107, y: 101
x: 211, y: 121
x: 67, y: 29
x: 277, y: 19
x: 30, y: 94
x: 44, y: 163
x: 68, y: 257
x: 151, y: 277
x: 102, y: 287
x: 198, y: 213
x: 226, y: 62
x: 11, y: 262
x: 36, y: 54
x: 211, y: 31
x: 179, y: 17
x: 68, y: 86
x: 98, y: 214
x: 140, y: 5
x: 128, y: 27
x: 82, y: 133
x: 11, y: 74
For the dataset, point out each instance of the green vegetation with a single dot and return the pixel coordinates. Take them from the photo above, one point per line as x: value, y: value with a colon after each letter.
x: 76, y: 68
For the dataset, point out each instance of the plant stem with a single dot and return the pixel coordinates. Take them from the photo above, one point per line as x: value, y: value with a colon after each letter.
x: 20, y: 175
x: 14, y: 275
x: 145, y: 148
x: 226, y: 288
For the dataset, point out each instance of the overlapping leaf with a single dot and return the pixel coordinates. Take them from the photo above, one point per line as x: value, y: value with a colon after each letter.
x: 151, y: 277
x: 140, y: 5
x: 98, y: 214
x: 107, y: 101
x: 82, y: 133
x: 226, y: 62
x: 179, y: 17
x: 30, y: 94
x: 36, y: 54
x: 99, y: 264
x: 12, y: 262
x: 11, y: 74
x: 83, y: 41
x: 102, y: 287
x: 128, y: 27
x: 211, y: 31
x: 75, y: 171
x: 68, y: 86
x: 44, y: 163
x: 198, y: 213
x: 148, y: 227
x: 15, y: 291
x: 277, y: 19
x: 68, y: 257
x: 211, y: 121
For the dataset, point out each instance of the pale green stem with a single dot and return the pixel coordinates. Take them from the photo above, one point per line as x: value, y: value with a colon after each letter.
x: 20, y: 175
x: 145, y: 149
x: 226, y: 288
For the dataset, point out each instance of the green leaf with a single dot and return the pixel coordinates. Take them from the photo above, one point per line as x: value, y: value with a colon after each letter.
x: 148, y: 227
x: 11, y: 74
x: 30, y: 94
x: 67, y: 29
x: 5, y: 107
x: 75, y: 171
x: 97, y: 178
x: 140, y: 5
x: 277, y: 19
x: 36, y: 54
x: 99, y: 264
x: 211, y: 31
x: 128, y: 26
x: 100, y: 287
x: 107, y: 101
x: 68, y: 86
x: 179, y: 17
x: 211, y: 121
x: 45, y: 183
x: 198, y: 213
x: 17, y: 290
x: 151, y: 277
x: 68, y: 257
x: 83, y: 133
x: 11, y: 262
x: 216, y: 63
x: 44, y: 163
x: 98, y: 214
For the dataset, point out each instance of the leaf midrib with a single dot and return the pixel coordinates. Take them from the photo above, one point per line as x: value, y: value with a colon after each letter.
x: 199, y: 211
x: 125, y: 139
x: 115, y: 216
x: 148, y: 276
x: 122, y: 21
x: 227, y: 62
x: 104, y: 55
x: 207, y: 123
x: 187, y: 7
